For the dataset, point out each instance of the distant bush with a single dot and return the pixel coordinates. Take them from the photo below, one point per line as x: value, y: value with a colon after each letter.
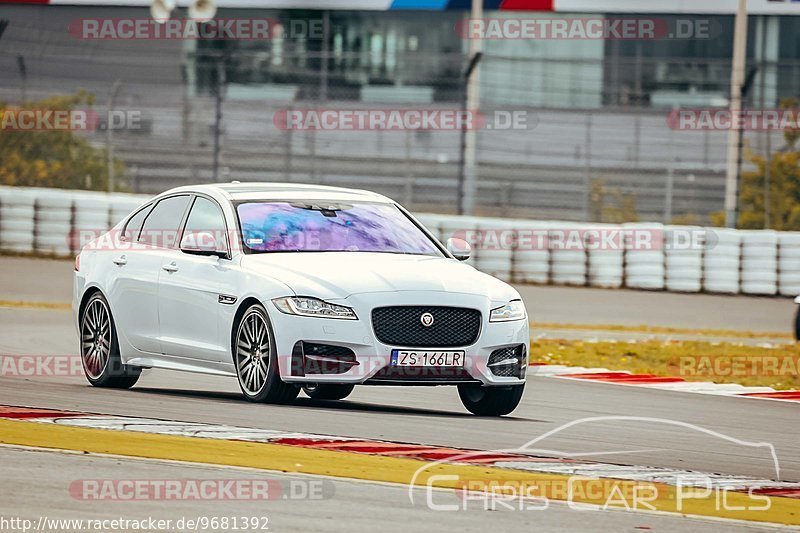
x: 53, y: 158
x: 783, y: 201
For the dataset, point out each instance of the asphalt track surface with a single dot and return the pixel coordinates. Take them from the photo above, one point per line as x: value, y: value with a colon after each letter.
x: 424, y: 415
x: 39, y: 479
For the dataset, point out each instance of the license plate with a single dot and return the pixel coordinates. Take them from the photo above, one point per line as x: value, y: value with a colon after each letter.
x: 427, y: 358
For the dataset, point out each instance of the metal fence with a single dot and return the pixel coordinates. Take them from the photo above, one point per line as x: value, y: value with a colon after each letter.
x: 597, y: 146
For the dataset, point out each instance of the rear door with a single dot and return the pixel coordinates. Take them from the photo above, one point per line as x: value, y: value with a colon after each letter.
x: 134, y: 290
x: 190, y: 290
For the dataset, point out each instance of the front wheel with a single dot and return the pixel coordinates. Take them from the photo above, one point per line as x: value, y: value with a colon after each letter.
x: 100, y: 356
x: 490, y: 401
x: 327, y: 391
x: 256, y: 359
x: 797, y: 324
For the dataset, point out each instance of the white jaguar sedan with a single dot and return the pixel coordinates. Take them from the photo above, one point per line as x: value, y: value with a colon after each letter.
x: 290, y: 286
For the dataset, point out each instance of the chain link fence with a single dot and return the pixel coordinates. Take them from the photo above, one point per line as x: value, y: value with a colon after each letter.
x: 596, y: 145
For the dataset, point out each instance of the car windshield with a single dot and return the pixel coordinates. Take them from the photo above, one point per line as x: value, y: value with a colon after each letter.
x: 317, y: 226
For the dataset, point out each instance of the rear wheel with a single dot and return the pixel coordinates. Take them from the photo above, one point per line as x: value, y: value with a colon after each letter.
x: 256, y: 360
x: 100, y: 357
x: 327, y: 391
x: 490, y: 401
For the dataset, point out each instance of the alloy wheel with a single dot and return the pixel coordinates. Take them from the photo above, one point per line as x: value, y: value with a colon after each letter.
x: 96, y: 338
x: 253, y: 352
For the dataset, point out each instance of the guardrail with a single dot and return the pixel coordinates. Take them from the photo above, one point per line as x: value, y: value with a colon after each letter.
x: 641, y: 256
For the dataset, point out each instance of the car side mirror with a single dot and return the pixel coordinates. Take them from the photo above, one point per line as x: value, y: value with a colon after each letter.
x: 459, y: 248
x: 201, y: 243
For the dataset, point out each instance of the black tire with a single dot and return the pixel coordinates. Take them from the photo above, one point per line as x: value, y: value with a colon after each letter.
x: 490, y: 401
x: 99, y: 347
x: 327, y: 391
x: 797, y: 324
x: 251, y: 335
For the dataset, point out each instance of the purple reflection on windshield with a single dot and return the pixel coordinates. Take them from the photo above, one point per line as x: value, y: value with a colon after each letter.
x: 360, y: 227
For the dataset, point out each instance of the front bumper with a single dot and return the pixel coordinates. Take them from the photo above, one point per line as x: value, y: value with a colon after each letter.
x: 372, y: 357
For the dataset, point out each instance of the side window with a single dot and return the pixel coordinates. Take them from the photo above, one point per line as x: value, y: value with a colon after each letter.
x: 206, y: 216
x: 164, y: 221
x: 131, y: 231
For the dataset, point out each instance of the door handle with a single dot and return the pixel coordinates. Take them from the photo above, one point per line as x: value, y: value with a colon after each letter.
x: 121, y: 260
x: 172, y: 267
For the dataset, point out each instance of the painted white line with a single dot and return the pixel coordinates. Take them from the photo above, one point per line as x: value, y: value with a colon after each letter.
x: 554, y: 370
x: 183, y: 429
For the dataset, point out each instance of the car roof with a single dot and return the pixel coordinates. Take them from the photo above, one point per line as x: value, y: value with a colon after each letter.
x: 236, y: 191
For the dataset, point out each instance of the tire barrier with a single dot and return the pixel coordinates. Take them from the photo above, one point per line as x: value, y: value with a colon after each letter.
x: 644, y: 265
x: 567, y: 264
x: 53, y: 222
x: 789, y: 263
x: 606, y: 265
x: 495, y: 238
x: 759, y: 263
x: 637, y: 255
x: 530, y: 262
x: 50, y: 221
x: 683, y: 261
x: 17, y: 220
x: 721, y: 258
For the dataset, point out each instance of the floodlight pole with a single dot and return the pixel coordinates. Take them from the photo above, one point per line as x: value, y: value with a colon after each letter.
x: 23, y: 74
x: 218, y: 114
x: 735, y: 136
x: 468, y: 177
x: 110, y: 135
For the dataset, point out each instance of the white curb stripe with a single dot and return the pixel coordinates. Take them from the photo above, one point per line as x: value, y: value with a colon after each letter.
x: 700, y: 387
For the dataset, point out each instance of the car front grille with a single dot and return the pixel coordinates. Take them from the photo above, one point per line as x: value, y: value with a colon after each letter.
x: 508, y: 362
x: 402, y: 326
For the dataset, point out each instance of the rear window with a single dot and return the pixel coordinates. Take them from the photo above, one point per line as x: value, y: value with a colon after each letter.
x: 131, y: 232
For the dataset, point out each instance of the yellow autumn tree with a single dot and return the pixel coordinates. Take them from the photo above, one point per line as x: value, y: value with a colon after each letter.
x: 58, y: 158
x: 783, y: 197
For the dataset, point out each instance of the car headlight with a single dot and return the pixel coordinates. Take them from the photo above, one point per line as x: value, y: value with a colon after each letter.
x: 513, y: 310
x: 314, y: 307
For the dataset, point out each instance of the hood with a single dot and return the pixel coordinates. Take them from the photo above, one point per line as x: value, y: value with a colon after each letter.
x: 337, y: 275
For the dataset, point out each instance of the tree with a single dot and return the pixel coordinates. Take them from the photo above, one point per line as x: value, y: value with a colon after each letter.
x: 611, y: 205
x: 784, y: 186
x: 59, y: 158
